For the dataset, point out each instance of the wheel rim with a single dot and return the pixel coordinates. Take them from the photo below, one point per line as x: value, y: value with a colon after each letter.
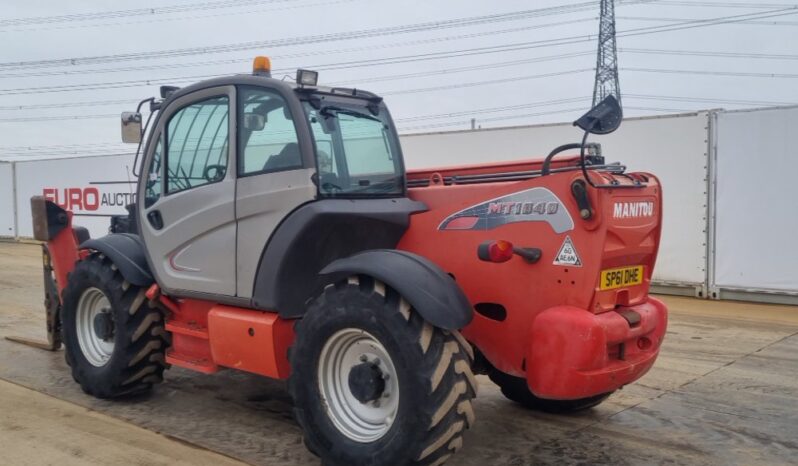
x: 360, y: 421
x: 92, y: 303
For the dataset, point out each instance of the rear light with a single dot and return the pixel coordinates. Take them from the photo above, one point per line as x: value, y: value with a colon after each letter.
x: 495, y: 251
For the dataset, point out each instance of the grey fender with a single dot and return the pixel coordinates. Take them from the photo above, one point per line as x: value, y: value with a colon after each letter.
x: 126, y: 251
x: 430, y: 290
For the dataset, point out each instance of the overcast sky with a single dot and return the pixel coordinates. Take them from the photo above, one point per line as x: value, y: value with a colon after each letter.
x: 537, y: 80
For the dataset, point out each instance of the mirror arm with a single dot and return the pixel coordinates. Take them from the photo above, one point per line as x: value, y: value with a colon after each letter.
x: 141, y: 140
x: 582, y: 154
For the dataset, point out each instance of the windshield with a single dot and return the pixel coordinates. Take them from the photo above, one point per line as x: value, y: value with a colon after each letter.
x: 356, y: 152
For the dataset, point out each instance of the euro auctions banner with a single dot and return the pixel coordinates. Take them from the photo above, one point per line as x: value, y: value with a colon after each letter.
x: 93, y: 188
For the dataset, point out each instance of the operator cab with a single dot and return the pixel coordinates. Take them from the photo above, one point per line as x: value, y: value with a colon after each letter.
x: 354, y: 146
x: 234, y: 168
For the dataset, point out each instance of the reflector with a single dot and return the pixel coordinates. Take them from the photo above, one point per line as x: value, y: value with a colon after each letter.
x: 495, y: 251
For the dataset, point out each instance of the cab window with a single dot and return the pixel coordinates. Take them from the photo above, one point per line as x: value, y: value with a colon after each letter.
x: 267, y: 138
x: 357, y: 153
x: 197, y: 144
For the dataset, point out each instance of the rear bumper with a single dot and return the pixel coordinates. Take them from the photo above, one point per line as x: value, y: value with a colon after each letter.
x: 576, y: 354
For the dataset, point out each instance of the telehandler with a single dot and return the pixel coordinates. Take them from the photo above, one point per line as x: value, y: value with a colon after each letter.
x: 276, y: 231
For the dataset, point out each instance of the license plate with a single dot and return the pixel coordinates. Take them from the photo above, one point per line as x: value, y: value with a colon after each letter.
x: 621, y: 277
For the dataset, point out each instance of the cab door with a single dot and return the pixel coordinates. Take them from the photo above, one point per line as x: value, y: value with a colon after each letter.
x: 275, y: 168
x: 187, y: 201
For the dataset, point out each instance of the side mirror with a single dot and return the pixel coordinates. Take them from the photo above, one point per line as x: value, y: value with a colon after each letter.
x: 166, y: 91
x: 131, y: 127
x: 254, y: 121
x: 604, y: 118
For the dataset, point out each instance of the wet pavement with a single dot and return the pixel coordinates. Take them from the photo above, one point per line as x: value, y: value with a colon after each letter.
x: 724, y: 391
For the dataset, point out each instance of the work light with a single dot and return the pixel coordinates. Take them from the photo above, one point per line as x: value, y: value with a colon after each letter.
x: 307, y: 77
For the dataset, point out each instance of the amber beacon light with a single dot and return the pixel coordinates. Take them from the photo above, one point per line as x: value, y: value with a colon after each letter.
x: 261, y: 65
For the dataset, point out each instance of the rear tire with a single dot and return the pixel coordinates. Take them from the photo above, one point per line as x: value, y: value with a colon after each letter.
x: 425, y: 398
x: 115, y: 342
x: 516, y: 389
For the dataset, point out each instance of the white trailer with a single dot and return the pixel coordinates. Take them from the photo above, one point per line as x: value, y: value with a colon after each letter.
x: 754, y: 211
x: 7, y: 214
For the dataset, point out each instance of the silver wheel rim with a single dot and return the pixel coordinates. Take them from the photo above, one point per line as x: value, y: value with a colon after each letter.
x: 361, y: 422
x: 96, y: 350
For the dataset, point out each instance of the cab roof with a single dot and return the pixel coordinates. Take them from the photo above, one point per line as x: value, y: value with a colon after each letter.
x: 264, y: 80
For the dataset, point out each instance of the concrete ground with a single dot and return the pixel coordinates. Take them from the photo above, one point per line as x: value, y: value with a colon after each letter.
x: 724, y: 391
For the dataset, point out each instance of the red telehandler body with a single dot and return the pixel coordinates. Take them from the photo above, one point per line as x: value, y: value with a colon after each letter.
x: 276, y: 231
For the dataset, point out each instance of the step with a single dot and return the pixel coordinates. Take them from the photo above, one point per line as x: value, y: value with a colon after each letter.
x: 200, y: 365
x: 191, y: 330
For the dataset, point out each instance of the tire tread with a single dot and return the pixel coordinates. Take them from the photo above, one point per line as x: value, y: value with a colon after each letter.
x: 141, y: 354
x: 446, y: 366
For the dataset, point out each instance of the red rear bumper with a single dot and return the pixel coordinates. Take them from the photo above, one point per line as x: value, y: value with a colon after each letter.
x: 577, y: 354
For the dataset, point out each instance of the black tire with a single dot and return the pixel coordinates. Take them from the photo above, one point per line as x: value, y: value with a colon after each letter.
x: 433, y: 367
x: 516, y: 389
x: 137, y: 360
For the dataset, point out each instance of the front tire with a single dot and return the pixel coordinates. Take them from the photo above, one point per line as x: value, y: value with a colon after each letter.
x: 374, y: 383
x: 115, y: 342
x: 516, y: 389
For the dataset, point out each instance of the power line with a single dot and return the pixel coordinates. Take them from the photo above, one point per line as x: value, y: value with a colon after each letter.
x: 303, y: 40
x: 54, y: 118
x: 483, y: 83
x: 692, y: 24
x: 746, y: 5
x: 489, y: 49
x: 301, y: 54
x: 361, y: 63
x: 63, y: 156
x: 106, y: 147
x: 505, y: 80
x: 710, y: 54
x: 107, y: 85
x: 751, y: 22
x: 170, y: 9
x: 110, y: 151
x: 438, y: 116
x: 489, y: 120
x: 528, y: 115
x: 157, y: 18
x: 52, y: 146
x: 660, y: 109
x: 485, y: 66
x: 763, y: 103
x: 410, y: 58
x: 91, y: 103
x: 713, y: 73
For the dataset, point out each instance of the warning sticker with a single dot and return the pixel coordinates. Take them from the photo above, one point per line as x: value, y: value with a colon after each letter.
x: 568, y: 254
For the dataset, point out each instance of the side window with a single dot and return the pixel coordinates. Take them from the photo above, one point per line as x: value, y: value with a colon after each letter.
x: 267, y: 139
x: 366, y: 145
x: 154, y: 185
x: 197, y: 144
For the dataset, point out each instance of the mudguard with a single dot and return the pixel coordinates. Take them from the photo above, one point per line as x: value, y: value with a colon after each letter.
x: 126, y: 251
x: 430, y: 290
